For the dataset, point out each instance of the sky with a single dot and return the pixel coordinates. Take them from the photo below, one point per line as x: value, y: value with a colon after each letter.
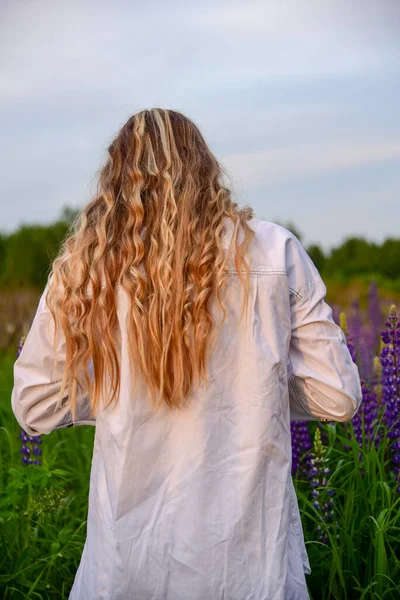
x: 298, y: 100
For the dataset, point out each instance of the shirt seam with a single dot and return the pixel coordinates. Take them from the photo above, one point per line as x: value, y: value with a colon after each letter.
x: 296, y: 293
x: 268, y: 272
x: 259, y: 272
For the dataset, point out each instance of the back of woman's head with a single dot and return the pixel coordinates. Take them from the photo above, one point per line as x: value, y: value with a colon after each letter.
x: 155, y: 228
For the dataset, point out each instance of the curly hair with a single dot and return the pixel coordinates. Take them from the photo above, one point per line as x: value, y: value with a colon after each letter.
x: 155, y: 228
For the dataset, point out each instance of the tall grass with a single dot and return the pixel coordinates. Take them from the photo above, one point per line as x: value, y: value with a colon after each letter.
x: 43, y: 509
x: 362, y: 557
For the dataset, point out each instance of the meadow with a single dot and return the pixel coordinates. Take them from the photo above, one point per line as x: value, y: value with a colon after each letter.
x: 346, y: 474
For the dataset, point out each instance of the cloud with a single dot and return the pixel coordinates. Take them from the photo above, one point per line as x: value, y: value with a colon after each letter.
x: 51, y: 48
x: 305, y: 161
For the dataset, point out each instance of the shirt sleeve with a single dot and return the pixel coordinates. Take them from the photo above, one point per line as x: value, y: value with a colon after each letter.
x: 38, y: 373
x: 324, y: 382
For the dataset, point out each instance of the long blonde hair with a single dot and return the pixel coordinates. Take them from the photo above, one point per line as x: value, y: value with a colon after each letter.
x: 155, y: 227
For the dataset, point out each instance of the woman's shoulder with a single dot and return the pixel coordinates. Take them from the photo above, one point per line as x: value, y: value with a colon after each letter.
x: 271, y: 232
x: 274, y: 247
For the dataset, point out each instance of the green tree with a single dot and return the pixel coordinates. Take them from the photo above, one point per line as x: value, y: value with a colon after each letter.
x: 355, y: 256
x: 389, y: 258
x: 317, y: 256
x: 28, y: 254
x: 3, y: 244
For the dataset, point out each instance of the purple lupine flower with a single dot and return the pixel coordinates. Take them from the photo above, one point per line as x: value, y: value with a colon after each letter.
x: 36, y: 450
x: 24, y: 437
x: 321, y: 493
x: 360, y: 338
x: 324, y: 434
x: 25, y: 450
x: 375, y: 317
x: 355, y: 324
x: 34, y: 440
x: 301, y: 442
x: 390, y: 385
x: 30, y: 446
x: 366, y: 418
x: 350, y: 344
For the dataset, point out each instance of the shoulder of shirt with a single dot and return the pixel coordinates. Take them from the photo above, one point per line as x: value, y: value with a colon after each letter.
x: 269, y: 231
x: 274, y: 248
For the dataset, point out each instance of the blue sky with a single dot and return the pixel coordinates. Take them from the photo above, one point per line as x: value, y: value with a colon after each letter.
x: 297, y: 99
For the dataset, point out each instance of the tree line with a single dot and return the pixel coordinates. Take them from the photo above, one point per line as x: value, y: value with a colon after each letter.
x: 27, y: 253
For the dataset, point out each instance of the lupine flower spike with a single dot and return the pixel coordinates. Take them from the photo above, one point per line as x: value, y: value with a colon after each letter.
x: 350, y: 345
x: 361, y: 339
x: 30, y: 448
x: 322, y: 494
x: 352, y: 349
x: 375, y: 317
x: 364, y: 421
x: 301, y: 442
x: 390, y: 383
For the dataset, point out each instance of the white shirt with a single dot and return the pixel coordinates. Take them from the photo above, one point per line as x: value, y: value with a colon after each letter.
x: 199, y: 504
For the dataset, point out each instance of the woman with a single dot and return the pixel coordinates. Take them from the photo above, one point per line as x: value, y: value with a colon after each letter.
x: 190, y: 333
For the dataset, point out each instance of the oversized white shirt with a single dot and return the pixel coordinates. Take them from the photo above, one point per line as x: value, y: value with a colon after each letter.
x: 199, y: 504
